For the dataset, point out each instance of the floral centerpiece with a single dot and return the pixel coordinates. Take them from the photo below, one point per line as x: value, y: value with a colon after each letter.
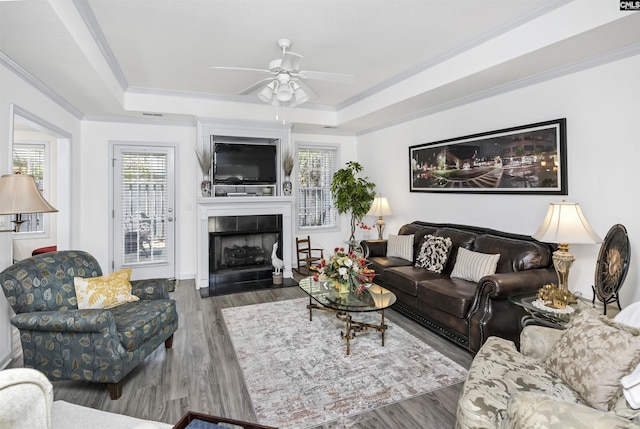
x: 347, y: 271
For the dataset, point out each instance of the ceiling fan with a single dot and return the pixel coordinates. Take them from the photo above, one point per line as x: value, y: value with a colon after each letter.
x: 285, y: 85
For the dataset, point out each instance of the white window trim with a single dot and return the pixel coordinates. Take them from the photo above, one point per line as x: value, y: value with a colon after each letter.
x: 46, y: 230
x: 313, y: 145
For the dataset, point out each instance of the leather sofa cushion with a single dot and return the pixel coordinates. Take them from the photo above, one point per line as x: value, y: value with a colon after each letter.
x: 453, y: 296
x: 458, y: 238
x: 515, y: 255
x: 419, y: 232
x: 381, y: 263
x: 406, y: 278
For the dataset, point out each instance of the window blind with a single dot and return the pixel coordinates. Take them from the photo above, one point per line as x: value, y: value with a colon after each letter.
x: 29, y: 158
x: 144, y: 203
x: 316, y: 168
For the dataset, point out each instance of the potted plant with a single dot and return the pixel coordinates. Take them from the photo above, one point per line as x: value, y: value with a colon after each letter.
x: 351, y: 193
x: 287, y: 165
x: 205, y: 157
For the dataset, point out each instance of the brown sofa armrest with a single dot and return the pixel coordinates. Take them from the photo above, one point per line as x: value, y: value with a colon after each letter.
x: 504, y: 285
x: 493, y: 314
x: 374, y: 247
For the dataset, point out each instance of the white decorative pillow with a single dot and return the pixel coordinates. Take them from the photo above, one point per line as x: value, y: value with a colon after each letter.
x: 473, y: 266
x: 434, y: 253
x: 631, y: 388
x: 400, y: 246
x: 593, y: 355
x: 104, y: 292
x: 630, y: 315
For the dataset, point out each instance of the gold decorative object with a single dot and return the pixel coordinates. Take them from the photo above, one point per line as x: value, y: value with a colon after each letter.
x: 555, y: 297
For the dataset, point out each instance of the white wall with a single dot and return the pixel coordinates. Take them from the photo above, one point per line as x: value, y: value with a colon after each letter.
x: 95, y: 171
x: 602, y: 107
x: 24, y: 245
x: 14, y: 90
x: 328, y: 240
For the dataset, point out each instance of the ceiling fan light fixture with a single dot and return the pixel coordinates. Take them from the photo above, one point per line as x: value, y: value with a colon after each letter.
x: 266, y: 93
x: 284, y: 93
x: 300, y: 94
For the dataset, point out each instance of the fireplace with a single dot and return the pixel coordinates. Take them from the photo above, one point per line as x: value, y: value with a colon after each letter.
x: 240, y: 249
x: 247, y: 227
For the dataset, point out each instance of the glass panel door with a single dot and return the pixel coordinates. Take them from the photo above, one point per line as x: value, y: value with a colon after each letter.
x: 143, y: 211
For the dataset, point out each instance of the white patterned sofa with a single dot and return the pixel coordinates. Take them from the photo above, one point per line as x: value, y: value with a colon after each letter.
x: 560, y: 379
x: 26, y: 402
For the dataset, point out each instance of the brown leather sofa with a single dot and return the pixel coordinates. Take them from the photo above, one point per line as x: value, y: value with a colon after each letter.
x: 464, y: 311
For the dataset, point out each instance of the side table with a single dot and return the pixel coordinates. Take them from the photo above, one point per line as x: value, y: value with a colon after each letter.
x: 538, y: 316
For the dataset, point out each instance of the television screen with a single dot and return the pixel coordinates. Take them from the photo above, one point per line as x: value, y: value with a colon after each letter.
x: 240, y: 163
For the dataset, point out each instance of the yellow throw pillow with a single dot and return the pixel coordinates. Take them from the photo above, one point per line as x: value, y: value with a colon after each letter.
x: 104, y: 292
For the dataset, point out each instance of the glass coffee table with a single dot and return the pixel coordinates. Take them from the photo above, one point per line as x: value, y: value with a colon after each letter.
x: 326, y: 298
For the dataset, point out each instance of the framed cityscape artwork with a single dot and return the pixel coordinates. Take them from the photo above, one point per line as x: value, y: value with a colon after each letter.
x: 529, y: 159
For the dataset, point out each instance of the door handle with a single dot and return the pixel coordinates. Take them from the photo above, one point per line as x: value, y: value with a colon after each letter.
x: 170, y: 219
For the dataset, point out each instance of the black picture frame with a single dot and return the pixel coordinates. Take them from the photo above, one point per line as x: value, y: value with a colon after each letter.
x: 529, y: 159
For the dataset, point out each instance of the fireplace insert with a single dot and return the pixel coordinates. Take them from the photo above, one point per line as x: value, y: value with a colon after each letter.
x: 240, y: 250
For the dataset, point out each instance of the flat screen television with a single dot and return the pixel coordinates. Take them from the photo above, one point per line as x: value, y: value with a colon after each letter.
x: 244, y: 164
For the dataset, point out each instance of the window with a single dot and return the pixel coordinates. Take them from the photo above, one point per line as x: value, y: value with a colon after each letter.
x: 30, y: 158
x: 316, y: 165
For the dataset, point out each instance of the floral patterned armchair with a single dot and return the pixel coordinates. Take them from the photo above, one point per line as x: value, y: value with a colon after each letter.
x: 95, y: 345
x: 559, y: 379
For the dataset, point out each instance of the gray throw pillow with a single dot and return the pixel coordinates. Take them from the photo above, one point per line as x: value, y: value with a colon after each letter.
x: 592, y: 355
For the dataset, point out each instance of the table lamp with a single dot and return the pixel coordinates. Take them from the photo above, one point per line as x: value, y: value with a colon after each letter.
x: 19, y: 195
x: 564, y: 224
x: 379, y: 207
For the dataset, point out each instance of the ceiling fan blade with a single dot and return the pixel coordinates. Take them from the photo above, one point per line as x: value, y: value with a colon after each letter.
x: 241, y: 69
x: 256, y: 86
x: 331, y: 77
x: 291, y: 61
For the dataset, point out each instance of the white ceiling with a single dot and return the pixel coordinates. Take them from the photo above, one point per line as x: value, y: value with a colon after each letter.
x: 120, y: 58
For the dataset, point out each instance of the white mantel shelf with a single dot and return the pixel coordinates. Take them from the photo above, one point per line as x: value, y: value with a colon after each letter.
x: 241, y: 206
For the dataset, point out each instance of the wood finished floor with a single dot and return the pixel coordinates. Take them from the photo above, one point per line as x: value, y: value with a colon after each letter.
x: 200, y: 373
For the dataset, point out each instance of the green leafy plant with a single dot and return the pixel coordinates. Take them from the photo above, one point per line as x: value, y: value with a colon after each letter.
x: 351, y: 193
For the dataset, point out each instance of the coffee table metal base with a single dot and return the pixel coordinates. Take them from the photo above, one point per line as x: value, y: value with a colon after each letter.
x: 351, y: 326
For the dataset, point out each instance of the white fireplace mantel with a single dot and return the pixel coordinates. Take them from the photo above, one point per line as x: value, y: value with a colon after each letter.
x: 241, y: 206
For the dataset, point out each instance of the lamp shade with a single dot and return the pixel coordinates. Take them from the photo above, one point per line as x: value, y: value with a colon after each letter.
x: 284, y: 92
x: 19, y: 194
x: 565, y: 223
x: 266, y: 93
x: 379, y: 207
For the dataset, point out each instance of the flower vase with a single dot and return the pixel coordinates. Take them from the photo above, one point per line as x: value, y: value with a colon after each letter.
x: 287, y: 187
x: 343, y: 288
x: 205, y: 186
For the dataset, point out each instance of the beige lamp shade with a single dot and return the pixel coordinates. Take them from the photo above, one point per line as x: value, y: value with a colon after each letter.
x: 565, y: 223
x: 19, y: 194
x: 379, y: 207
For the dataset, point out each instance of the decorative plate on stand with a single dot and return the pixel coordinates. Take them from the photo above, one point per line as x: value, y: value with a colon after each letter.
x: 612, y: 266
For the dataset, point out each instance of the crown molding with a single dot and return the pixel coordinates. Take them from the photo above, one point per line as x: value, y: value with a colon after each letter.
x: 141, y: 120
x: 98, y: 37
x: 535, y: 13
x: 605, y: 58
x: 22, y: 73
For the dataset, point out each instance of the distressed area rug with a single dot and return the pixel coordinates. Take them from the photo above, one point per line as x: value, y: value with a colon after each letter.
x: 299, y: 376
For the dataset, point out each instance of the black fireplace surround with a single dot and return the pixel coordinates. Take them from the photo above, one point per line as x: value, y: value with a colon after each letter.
x: 240, y: 252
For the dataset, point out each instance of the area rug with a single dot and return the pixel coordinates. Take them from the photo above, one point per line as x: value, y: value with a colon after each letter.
x: 299, y: 376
